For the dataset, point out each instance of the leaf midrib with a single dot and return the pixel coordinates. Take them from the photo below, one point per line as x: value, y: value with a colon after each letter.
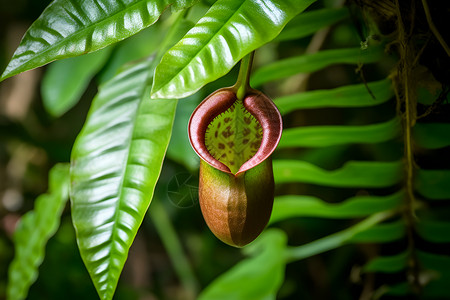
x: 76, y: 34
x: 124, y: 167
x: 167, y: 82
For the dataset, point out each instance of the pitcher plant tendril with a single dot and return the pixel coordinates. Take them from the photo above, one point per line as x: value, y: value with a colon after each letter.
x: 234, y: 131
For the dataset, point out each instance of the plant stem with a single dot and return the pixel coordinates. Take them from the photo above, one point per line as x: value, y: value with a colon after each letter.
x: 243, y: 82
x: 335, y: 240
x: 433, y: 27
x: 406, y: 89
x: 173, y: 246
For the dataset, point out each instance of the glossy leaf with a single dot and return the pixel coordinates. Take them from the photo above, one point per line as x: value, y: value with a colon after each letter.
x: 355, y: 174
x: 34, y: 230
x: 382, y: 233
x: 70, y: 28
x: 432, y: 135
x: 262, y: 273
x: 388, y: 264
x: 325, y: 136
x: 434, y: 231
x: 309, y: 22
x: 65, y: 81
x: 229, y: 30
x: 347, y: 96
x: 309, y: 63
x: 290, y: 206
x: 433, y: 184
x: 116, y: 161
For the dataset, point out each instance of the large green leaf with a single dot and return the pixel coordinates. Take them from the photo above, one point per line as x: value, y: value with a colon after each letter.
x: 347, y: 96
x: 432, y: 135
x: 70, y: 28
x: 66, y: 80
x: 388, y: 264
x: 309, y: 22
x: 324, y: 136
x: 229, y: 30
x: 290, y: 206
x: 368, y: 174
x: 313, y: 62
x: 116, y: 161
x: 33, y: 232
x: 433, y: 184
x: 258, y: 277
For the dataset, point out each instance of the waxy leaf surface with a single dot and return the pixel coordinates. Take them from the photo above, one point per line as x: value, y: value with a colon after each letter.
x: 116, y: 162
x: 229, y: 30
x: 70, y: 28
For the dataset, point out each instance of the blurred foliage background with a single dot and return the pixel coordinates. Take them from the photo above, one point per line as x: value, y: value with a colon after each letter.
x: 174, y: 239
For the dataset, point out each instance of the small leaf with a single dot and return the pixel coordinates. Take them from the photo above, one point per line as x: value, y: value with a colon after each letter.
x: 262, y: 274
x: 434, y: 231
x: 309, y: 63
x: 335, y: 240
x: 116, y: 161
x: 433, y: 184
x: 229, y: 30
x: 70, y: 28
x: 309, y: 22
x: 65, y: 81
x: 290, y: 206
x: 325, y: 136
x: 368, y: 174
x: 34, y: 230
x: 438, y: 266
x: 382, y: 233
x: 432, y: 135
x: 347, y: 96
x: 388, y: 264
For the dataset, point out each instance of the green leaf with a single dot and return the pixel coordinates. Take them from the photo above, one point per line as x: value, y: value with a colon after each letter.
x: 368, y: 174
x: 335, y: 240
x: 388, y: 264
x: 434, y: 231
x: 258, y: 277
x: 229, y: 30
x: 432, y: 135
x: 382, y: 233
x: 433, y: 184
x: 325, y: 136
x: 116, y: 161
x: 400, y: 289
x: 309, y: 22
x: 309, y: 63
x: 65, y: 81
x: 347, y: 96
x: 290, y: 206
x: 34, y: 230
x: 439, y: 267
x: 70, y: 28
